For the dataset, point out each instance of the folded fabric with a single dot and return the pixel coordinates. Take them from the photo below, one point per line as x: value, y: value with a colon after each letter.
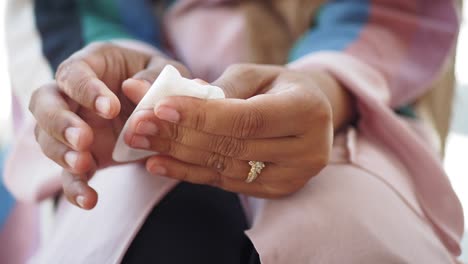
x: 168, y: 83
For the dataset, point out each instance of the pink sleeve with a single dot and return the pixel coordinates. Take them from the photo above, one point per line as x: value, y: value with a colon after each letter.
x: 397, y: 53
x: 406, y: 42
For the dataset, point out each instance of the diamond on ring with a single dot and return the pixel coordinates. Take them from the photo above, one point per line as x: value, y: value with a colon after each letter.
x: 255, y: 170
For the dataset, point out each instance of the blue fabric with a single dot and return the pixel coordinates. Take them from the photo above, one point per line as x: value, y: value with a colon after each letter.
x: 337, y: 25
x: 138, y: 18
x: 6, y: 200
x: 58, y: 24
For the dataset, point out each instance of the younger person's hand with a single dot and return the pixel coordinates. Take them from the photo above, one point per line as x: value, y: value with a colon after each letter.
x: 80, y: 115
x: 273, y: 114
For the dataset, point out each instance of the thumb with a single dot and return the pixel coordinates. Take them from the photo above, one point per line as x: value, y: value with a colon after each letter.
x: 135, y: 89
x: 246, y: 80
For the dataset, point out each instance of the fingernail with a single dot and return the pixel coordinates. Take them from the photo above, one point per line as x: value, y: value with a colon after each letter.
x: 168, y: 114
x: 136, y: 83
x: 140, y: 142
x: 80, y: 200
x: 72, y: 135
x: 158, y: 170
x: 142, y: 82
x: 70, y: 158
x: 103, y: 105
x: 147, y: 128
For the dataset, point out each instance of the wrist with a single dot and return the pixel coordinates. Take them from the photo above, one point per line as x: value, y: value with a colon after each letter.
x: 342, y: 102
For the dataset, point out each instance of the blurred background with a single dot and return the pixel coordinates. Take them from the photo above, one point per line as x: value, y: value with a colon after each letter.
x: 456, y: 162
x: 5, y: 131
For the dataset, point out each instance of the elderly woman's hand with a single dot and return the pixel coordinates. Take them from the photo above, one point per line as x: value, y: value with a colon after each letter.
x: 272, y: 114
x: 80, y: 115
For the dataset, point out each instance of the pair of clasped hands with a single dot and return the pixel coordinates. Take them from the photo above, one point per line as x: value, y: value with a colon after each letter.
x: 282, y: 117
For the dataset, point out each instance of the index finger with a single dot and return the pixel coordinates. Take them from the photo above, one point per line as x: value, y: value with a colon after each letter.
x: 279, y: 104
x: 263, y: 116
x: 78, y: 80
x: 53, y: 114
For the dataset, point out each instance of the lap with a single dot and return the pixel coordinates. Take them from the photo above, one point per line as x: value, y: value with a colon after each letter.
x: 194, y: 224
x: 352, y: 212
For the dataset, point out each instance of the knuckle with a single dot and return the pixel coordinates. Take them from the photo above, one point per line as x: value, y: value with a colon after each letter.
x: 51, y: 149
x: 216, y: 161
x: 316, y: 162
x: 98, y: 46
x: 78, y: 87
x: 33, y: 101
x: 166, y: 147
x: 83, y: 92
x: 40, y: 98
x: 53, y: 116
x: 56, y: 123
x: 184, y: 174
x: 230, y: 146
x: 63, y: 70
x: 200, y: 120
x: 248, y: 124
x: 324, y: 113
x: 176, y: 133
x: 55, y: 154
x: 173, y: 149
x: 321, y: 161
x: 316, y: 108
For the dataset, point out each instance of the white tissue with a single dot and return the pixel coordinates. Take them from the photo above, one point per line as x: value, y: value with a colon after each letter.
x: 169, y: 83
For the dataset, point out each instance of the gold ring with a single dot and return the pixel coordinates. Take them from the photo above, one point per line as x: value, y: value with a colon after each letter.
x: 255, y: 170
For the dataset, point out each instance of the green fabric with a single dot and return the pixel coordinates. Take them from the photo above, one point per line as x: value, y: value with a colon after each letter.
x: 100, y: 21
x: 407, y: 111
x: 170, y: 3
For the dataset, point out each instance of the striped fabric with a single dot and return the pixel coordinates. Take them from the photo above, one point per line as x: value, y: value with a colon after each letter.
x: 65, y: 26
x: 338, y: 24
x: 367, y: 29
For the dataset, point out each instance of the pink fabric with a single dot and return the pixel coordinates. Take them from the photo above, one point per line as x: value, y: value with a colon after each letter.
x: 361, y: 211
x: 19, y: 237
x: 395, y: 41
x: 40, y: 177
x: 384, y: 195
x: 127, y: 195
x: 226, y: 40
x: 378, y: 121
